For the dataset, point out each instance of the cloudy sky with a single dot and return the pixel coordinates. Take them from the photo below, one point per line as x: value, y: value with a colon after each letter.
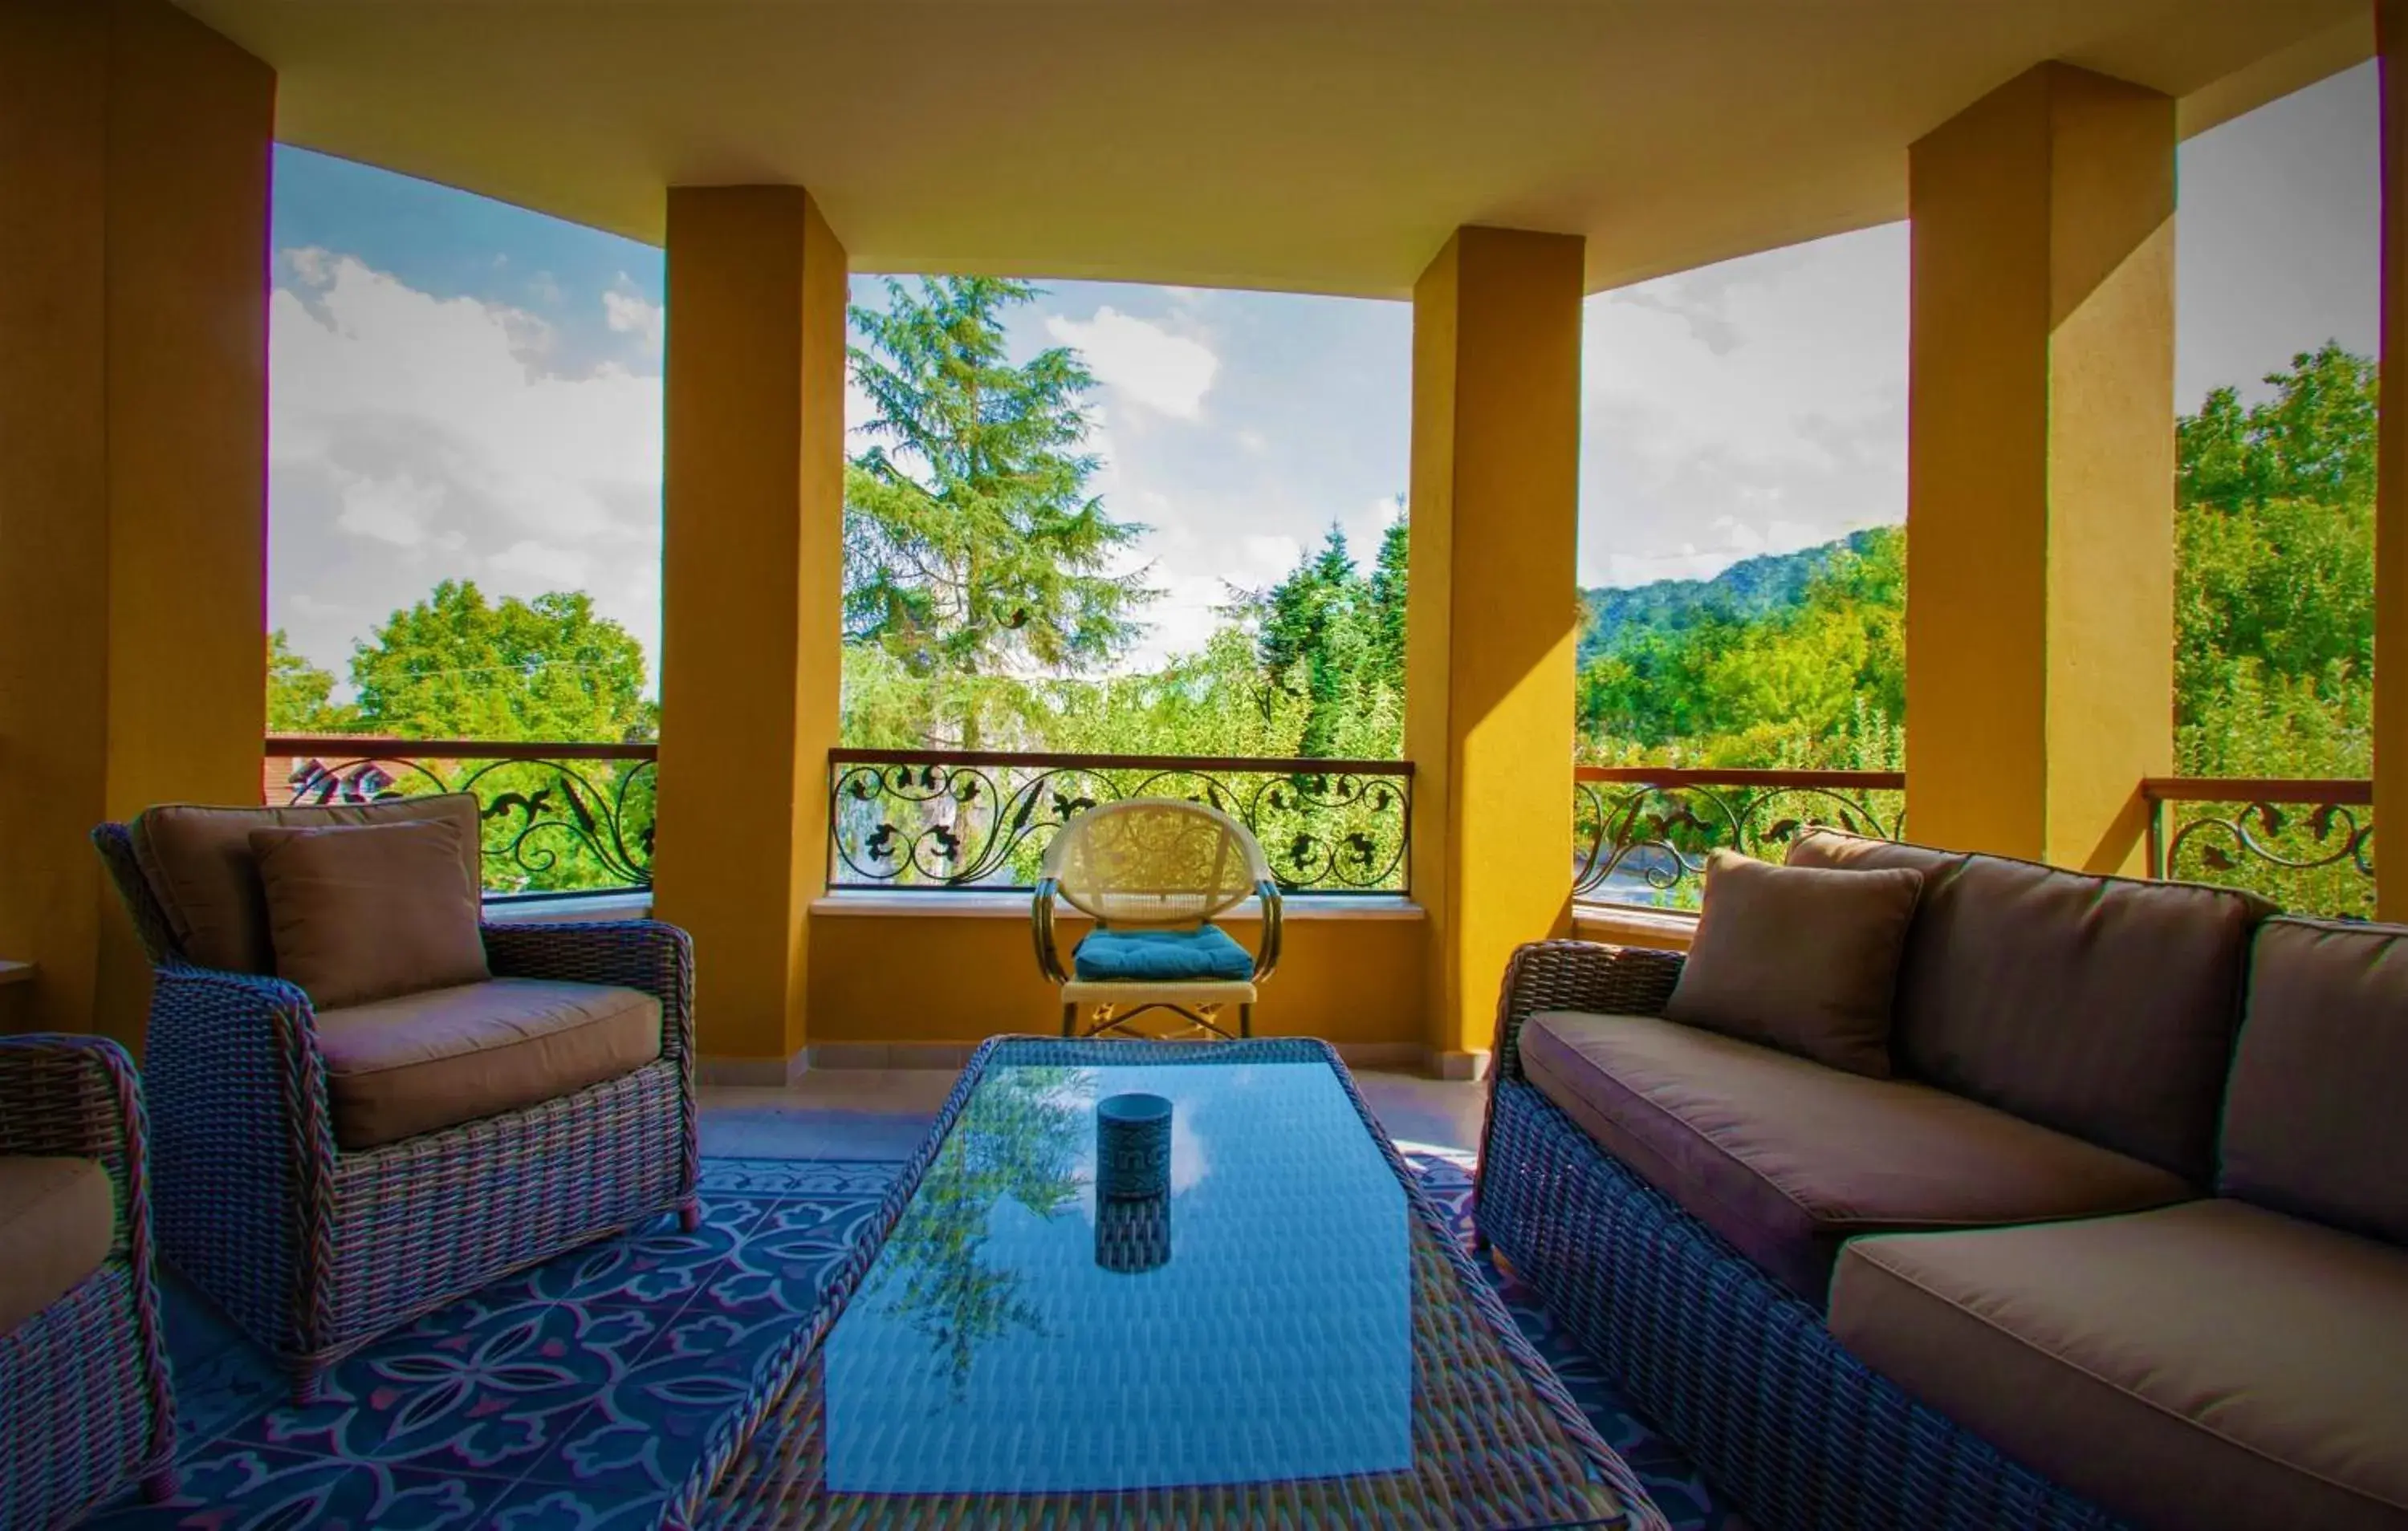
x: 463, y: 389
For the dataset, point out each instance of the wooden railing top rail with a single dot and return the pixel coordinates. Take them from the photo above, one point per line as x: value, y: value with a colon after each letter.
x: 1666, y: 776
x: 1046, y: 759
x: 363, y: 747
x: 2349, y: 790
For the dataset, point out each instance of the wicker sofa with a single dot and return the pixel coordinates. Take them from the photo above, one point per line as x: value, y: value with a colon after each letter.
x: 85, y: 1405
x: 2120, y: 1241
x: 314, y: 1172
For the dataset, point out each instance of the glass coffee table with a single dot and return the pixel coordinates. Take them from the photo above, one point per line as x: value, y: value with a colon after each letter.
x: 1287, y: 1337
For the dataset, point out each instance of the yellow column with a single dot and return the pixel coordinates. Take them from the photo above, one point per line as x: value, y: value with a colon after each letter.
x: 2391, y: 469
x: 133, y: 184
x: 752, y: 580
x: 1492, y: 612
x: 2039, y: 518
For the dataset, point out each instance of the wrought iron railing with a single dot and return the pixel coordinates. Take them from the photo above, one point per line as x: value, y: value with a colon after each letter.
x: 1642, y: 834
x: 927, y: 821
x: 559, y: 819
x: 2308, y: 844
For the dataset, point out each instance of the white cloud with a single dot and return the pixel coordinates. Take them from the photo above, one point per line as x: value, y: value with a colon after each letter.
x: 550, y: 567
x: 394, y: 511
x: 1167, y: 373
x: 1753, y: 407
x: 1271, y: 557
x: 628, y: 313
x: 432, y: 430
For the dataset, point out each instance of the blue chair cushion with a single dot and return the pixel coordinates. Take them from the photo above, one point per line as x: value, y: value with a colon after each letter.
x: 1158, y: 955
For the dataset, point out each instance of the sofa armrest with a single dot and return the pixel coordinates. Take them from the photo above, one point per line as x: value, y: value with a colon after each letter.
x: 646, y: 955
x: 1578, y: 975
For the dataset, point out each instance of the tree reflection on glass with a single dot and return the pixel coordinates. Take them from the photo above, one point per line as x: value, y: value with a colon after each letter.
x: 1017, y: 1136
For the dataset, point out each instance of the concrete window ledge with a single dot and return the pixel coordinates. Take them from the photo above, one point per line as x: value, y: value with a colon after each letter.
x: 634, y: 904
x: 1014, y: 905
x: 1626, y: 925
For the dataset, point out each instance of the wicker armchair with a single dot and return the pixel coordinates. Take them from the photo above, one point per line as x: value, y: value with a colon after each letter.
x: 85, y: 1405
x: 315, y: 1249
x: 1165, y: 866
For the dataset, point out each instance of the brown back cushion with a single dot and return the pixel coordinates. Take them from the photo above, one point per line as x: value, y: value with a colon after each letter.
x: 2100, y: 1005
x: 2316, y: 1121
x: 198, y: 863
x: 1801, y: 958
x: 362, y: 913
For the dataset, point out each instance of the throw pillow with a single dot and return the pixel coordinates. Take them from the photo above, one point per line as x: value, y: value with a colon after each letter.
x: 1803, y: 959
x: 362, y: 912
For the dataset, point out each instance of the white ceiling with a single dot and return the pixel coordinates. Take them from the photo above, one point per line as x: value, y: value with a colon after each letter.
x: 1311, y: 145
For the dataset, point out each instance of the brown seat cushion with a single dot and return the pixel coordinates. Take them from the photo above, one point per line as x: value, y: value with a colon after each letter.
x: 1786, y: 1158
x: 1801, y: 958
x: 428, y: 1061
x: 363, y: 912
x: 2103, y: 1006
x: 58, y: 1221
x: 2315, y: 1121
x: 2206, y: 1365
x: 198, y: 863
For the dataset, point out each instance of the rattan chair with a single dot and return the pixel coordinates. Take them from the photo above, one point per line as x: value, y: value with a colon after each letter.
x: 1158, y: 866
x: 85, y: 1403
x: 315, y: 1249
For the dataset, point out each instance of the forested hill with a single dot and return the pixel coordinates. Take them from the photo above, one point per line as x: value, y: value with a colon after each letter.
x: 1753, y: 587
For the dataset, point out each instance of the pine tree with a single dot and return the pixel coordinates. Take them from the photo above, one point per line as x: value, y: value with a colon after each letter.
x: 973, y: 551
x: 1336, y: 640
x: 1388, y: 597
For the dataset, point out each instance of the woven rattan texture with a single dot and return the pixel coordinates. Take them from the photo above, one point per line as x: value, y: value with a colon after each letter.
x: 314, y: 1251
x: 1721, y: 1358
x: 1486, y: 1406
x: 1154, y: 862
x: 85, y: 1403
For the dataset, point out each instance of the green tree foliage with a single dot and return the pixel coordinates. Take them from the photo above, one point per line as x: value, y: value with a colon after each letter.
x: 2312, y: 441
x: 2274, y: 593
x: 973, y: 551
x: 300, y: 695
x: 1817, y: 684
x: 457, y: 666
x: 1335, y: 639
x: 2274, y: 630
x: 1017, y: 1139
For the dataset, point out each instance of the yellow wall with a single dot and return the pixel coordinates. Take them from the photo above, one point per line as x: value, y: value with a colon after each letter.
x: 752, y: 572
x: 925, y: 978
x: 134, y: 182
x: 2040, y: 548
x: 2391, y: 461
x: 1493, y: 609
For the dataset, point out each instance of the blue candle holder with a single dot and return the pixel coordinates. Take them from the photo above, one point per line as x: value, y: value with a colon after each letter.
x: 1133, y: 1236
x: 1132, y: 1148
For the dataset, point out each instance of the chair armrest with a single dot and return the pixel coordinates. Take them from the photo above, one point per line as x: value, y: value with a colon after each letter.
x: 1578, y: 975
x: 68, y: 1096
x: 224, y: 1049
x: 1268, y: 958
x: 1040, y: 932
x: 646, y: 955
x: 73, y: 1096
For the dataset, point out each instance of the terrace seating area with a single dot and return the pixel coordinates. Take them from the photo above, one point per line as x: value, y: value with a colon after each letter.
x: 699, y: 1129
x: 2095, y: 1232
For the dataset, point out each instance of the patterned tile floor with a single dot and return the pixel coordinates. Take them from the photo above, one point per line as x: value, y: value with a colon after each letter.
x: 577, y: 1394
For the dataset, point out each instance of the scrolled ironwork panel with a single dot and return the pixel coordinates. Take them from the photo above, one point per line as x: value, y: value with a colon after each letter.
x: 2311, y: 857
x: 1645, y: 840
x: 550, y: 826
x: 922, y: 823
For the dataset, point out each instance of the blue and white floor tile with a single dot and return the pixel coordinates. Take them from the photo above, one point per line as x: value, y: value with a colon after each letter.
x: 575, y: 1396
